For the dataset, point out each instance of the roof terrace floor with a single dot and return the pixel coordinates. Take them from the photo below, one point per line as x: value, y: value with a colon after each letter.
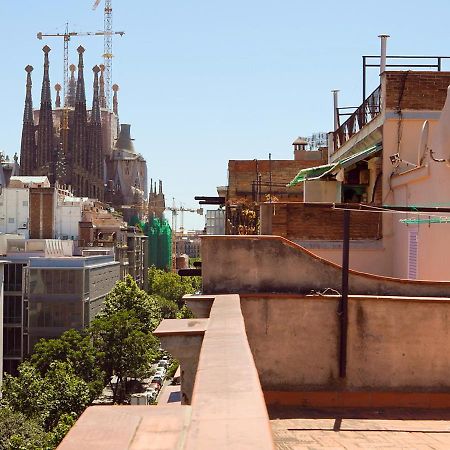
x: 298, y: 428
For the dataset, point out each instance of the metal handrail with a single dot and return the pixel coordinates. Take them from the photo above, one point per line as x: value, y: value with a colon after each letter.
x: 364, y: 114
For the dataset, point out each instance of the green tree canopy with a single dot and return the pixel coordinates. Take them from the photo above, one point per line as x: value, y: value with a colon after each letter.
x: 171, y: 286
x: 17, y: 431
x: 127, y: 296
x: 46, y: 399
x: 75, y: 348
x: 127, y: 350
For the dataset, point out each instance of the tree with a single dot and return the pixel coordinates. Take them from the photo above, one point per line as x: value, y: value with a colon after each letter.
x: 17, y: 393
x: 76, y: 348
x: 171, y: 286
x: 19, y: 432
x: 168, y: 308
x: 46, y: 399
x: 127, y: 350
x: 70, y: 395
x: 127, y: 296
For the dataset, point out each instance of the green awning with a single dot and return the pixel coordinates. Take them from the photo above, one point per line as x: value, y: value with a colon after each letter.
x: 314, y: 173
x: 353, y: 159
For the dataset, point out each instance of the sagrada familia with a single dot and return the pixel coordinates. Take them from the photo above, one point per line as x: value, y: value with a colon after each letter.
x: 87, y: 150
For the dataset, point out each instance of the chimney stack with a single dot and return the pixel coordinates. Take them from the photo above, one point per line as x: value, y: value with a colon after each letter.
x: 335, y: 109
x: 383, y: 38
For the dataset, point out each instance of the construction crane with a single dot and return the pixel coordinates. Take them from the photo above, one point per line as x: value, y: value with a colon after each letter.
x: 175, y: 210
x: 107, y: 43
x: 67, y: 35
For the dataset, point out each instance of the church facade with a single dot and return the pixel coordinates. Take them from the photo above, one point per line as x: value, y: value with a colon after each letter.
x: 84, y: 149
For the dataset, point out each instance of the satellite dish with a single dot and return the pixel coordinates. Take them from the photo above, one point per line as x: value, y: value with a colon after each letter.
x: 423, y: 144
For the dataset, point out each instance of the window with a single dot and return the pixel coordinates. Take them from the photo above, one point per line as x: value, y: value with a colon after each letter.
x: 413, y: 253
x: 56, y: 314
x: 12, y: 309
x: 11, y: 220
x: 13, y: 277
x: 12, y: 342
x: 55, y: 281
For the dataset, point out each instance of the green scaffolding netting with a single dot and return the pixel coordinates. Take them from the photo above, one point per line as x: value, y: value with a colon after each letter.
x: 159, y: 243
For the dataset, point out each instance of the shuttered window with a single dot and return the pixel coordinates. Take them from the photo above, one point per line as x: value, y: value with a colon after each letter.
x: 413, y: 254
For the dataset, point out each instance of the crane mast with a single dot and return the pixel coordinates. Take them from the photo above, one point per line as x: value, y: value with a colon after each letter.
x: 175, y: 210
x: 107, y: 47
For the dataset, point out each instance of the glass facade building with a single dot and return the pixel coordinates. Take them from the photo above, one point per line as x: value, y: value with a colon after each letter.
x: 43, y: 297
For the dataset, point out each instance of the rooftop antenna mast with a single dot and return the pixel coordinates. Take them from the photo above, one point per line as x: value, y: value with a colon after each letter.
x: 108, y: 54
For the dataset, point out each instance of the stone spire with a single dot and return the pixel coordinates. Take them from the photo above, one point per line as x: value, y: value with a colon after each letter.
x: 45, y: 136
x: 80, y: 135
x: 115, y: 89
x: 81, y: 93
x: 95, y: 116
x: 102, y: 87
x: 96, y: 141
x: 58, y: 97
x: 28, y: 143
x: 72, y: 88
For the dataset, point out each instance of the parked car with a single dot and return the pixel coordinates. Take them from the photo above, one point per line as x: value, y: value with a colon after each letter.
x: 163, y: 363
x: 155, y: 386
x: 152, y: 393
x: 161, y: 371
x: 157, y: 379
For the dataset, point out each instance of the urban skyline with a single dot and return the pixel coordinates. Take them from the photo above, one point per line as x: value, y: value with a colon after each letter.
x: 205, y: 83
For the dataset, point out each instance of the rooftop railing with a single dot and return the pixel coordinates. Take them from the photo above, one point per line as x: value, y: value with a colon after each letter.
x: 370, y: 108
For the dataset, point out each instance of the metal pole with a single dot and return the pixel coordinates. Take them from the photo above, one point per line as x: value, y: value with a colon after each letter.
x: 270, y: 177
x: 383, y: 38
x: 364, y: 79
x: 343, y: 306
x: 335, y: 106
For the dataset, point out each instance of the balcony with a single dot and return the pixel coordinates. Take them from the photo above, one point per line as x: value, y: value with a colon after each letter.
x: 363, y: 115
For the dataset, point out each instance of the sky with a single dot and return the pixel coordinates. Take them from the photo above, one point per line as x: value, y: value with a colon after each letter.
x: 206, y: 81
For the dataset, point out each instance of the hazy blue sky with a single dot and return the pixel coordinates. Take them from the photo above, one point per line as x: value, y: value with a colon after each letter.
x: 203, y: 82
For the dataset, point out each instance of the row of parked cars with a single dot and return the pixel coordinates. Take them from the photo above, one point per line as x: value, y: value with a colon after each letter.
x: 152, y: 390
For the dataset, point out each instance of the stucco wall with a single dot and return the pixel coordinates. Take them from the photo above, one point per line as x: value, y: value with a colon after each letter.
x: 371, y: 257
x: 427, y: 186
x: 240, y: 264
x: 393, y: 344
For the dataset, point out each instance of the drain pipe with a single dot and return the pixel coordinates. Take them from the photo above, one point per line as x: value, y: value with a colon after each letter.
x: 343, y: 303
x: 383, y: 38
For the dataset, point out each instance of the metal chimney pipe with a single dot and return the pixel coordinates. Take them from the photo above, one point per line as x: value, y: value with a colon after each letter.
x: 383, y: 38
x: 335, y: 106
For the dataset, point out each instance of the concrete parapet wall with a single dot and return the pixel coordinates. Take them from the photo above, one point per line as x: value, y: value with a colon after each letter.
x: 243, y: 264
x: 394, y: 343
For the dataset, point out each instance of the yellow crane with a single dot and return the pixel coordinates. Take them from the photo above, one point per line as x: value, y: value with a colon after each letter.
x: 175, y: 210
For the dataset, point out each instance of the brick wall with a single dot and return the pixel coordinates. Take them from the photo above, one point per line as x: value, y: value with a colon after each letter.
x: 41, y: 213
x: 242, y: 173
x: 299, y: 221
x: 416, y: 90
